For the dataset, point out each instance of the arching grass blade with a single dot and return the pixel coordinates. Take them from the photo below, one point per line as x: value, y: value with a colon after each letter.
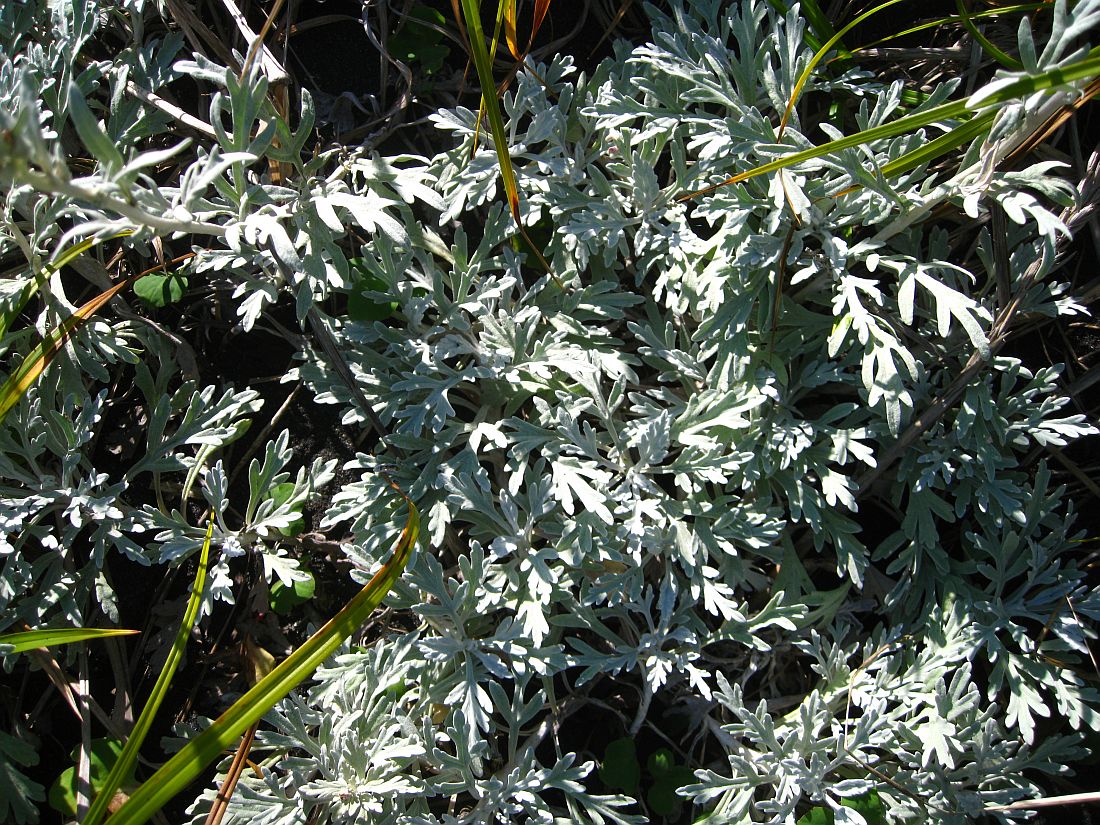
x: 179, y: 771
x: 53, y: 636
x: 484, y: 65
x: 819, y: 55
x: 63, y: 259
x: 39, y: 358
x: 128, y: 758
x: 1087, y: 67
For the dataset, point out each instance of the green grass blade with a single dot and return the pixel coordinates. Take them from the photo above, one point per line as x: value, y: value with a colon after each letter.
x: 1087, y: 67
x: 128, y: 758
x: 819, y: 55
x: 498, y: 26
x: 39, y: 358
x: 947, y: 21
x: 1006, y: 60
x: 483, y: 62
x: 179, y: 771
x: 935, y: 148
x: 822, y: 26
x: 52, y: 636
x: 484, y: 65
x: 65, y: 258
x: 940, y: 146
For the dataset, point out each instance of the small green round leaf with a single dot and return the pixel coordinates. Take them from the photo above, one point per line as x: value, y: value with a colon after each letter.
x: 869, y: 806
x: 160, y: 290
x: 103, y: 755
x: 620, y: 768
x: 416, y: 42
x: 662, y: 799
x: 364, y: 309
x: 280, y: 494
x: 396, y: 690
x: 660, y: 762
x: 284, y: 598
x: 668, y: 777
x: 819, y: 815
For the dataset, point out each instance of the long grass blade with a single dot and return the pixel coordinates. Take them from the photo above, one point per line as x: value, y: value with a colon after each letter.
x: 1085, y: 68
x: 53, y: 636
x: 541, y: 8
x: 947, y: 21
x: 1088, y: 798
x: 809, y: 38
x: 819, y: 55
x: 484, y: 65
x: 510, y: 36
x: 39, y: 358
x: 937, y: 147
x: 232, y: 777
x: 128, y: 758
x: 1006, y: 60
x: 458, y: 19
x: 821, y: 24
x: 63, y: 259
x: 483, y: 62
x: 179, y: 771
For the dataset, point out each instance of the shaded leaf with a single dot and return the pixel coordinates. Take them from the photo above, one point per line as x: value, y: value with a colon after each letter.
x: 160, y: 290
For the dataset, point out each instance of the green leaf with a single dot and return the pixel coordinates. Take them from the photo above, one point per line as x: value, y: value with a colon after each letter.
x: 418, y: 43
x: 51, y: 636
x: 362, y: 307
x: 817, y: 816
x: 396, y: 690
x: 620, y: 768
x: 283, y: 598
x: 668, y: 777
x: 869, y: 806
x: 160, y: 290
x: 662, y: 799
x: 280, y: 494
x: 660, y: 762
x: 103, y: 756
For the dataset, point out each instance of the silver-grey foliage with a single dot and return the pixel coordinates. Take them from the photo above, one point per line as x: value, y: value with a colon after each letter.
x: 640, y: 477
